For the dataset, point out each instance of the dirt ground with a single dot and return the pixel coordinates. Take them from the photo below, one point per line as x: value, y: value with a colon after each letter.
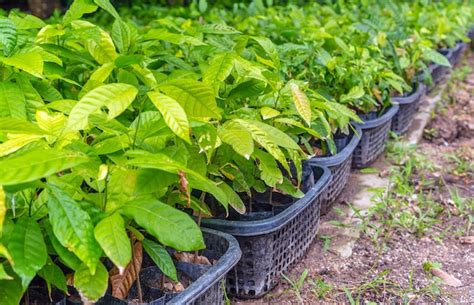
x: 389, y: 268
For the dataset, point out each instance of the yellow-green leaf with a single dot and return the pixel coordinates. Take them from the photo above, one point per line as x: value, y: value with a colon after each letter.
x: 301, y: 103
x: 173, y: 113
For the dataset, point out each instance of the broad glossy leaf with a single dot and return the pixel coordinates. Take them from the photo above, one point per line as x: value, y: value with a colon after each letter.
x: 219, y: 69
x: 121, y: 187
x: 37, y: 164
x: 26, y: 22
x: 3, y: 274
x: 270, y: 173
x: 121, y: 35
x: 197, y: 98
x: 161, y: 257
x: 51, y: 123
x: 170, y: 226
x: 173, y: 113
x: 53, y: 275
x: 73, y: 227
x: 234, y: 199
x: 68, y: 258
x: 436, y: 57
x: 269, y: 47
x: 8, y: 36
x: 11, y: 291
x: 78, y: 8
x: 262, y: 137
x: 116, y: 97
x: 301, y: 103
x: 91, y: 286
x: 112, y: 237
x: 108, y: 7
x: 12, y: 101
x: 28, y: 249
x: 238, y: 137
x: 19, y: 126
x: 33, y: 100
x: 162, y: 34
x: 16, y: 143
x: 28, y: 62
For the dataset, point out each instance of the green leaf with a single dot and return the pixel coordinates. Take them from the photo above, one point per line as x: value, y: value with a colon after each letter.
x: 269, y: 113
x: 116, y: 97
x: 170, y: 226
x: 269, y: 47
x: 162, y: 34
x: 161, y: 257
x: 3, y: 274
x: 238, y: 137
x: 53, y: 275
x: 173, y: 113
x: 301, y: 103
x: 355, y: 93
x: 121, y: 187
x: 436, y: 57
x: 8, y: 36
x: 34, y: 165
x: 16, y: 143
x: 121, y: 35
x: 33, y: 100
x: 11, y: 291
x: 12, y: 101
x: 234, y: 199
x: 219, y: 69
x: 270, y: 173
x: 112, y: 237
x: 19, y: 126
x: 27, y: 249
x: 91, y: 286
x: 196, y: 98
x: 108, y: 7
x: 26, y: 22
x: 73, y: 227
x: 77, y: 9
x: 29, y: 62
x: 67, y: 257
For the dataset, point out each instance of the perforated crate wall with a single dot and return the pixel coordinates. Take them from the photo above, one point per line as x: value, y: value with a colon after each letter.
x: 340, y: 176
x: 371, y: 145
x: 408, y: 108
x: 266, y: 257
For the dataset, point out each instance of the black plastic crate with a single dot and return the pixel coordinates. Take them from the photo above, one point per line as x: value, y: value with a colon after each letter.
x: 270, y: 246
x: 408, y: 108
x: 374, y: 138
x: 340, y: 166
x: 208, y: 283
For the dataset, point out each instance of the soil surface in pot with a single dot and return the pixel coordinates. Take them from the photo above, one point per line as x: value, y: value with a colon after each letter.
x: 386, y: 265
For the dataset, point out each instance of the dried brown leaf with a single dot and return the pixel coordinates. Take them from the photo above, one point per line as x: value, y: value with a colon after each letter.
x: 191, y: 258
x: 447, y: 278
x: 121, y: 283
x: 466, y: 239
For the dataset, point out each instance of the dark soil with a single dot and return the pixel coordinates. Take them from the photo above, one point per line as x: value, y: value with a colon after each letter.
x: 394, y: 272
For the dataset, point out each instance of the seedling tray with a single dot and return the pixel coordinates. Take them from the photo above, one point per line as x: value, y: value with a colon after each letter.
x: 408, y: 107
x: 374, y: 138
x: 340, y: 167
x: 270, y: 246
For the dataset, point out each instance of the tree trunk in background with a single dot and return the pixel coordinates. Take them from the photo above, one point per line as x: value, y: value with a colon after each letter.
x: 43, y: 8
